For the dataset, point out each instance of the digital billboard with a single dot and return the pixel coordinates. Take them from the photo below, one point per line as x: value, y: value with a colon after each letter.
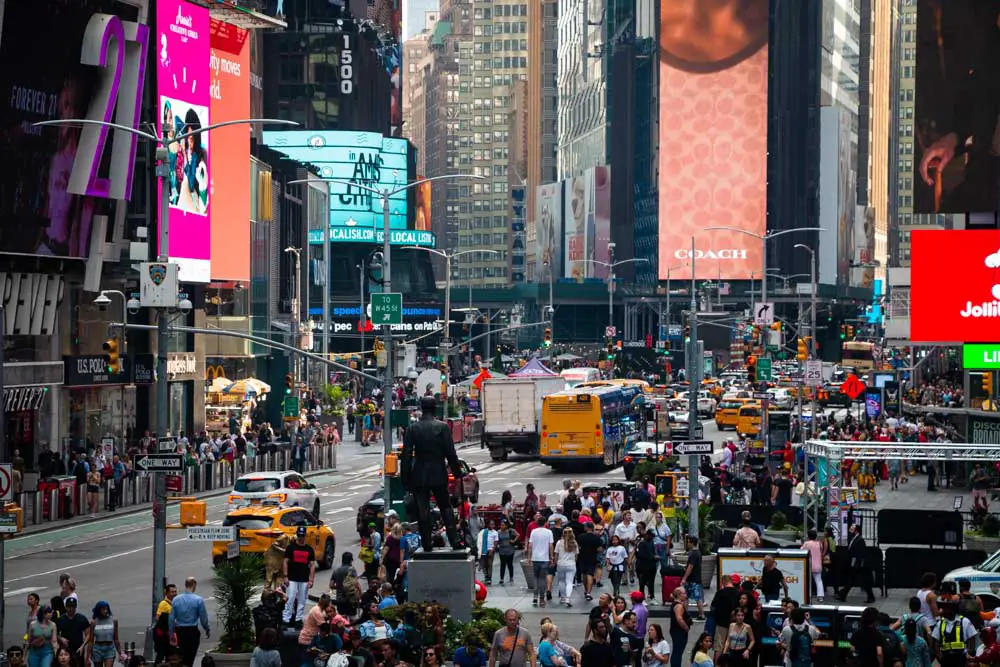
x: 713, y: 135
x: 954, y: 286
x: 955, y: 139
x: 183, y: 86
x: 54, y: 180
x: 548, y: 229
x: 389, y: 15
x: 424, y: 193
x: 363, y: 158
x: 588, y: 224
x: 230, y: 218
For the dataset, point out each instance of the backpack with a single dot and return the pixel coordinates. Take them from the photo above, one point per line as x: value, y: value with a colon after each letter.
x: 351, y: 588
x: 800, y: 647
x: 411, y: 642
x: 892, y: 648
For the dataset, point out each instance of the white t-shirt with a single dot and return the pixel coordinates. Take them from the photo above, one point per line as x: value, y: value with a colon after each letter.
x: 565, y: 558
x: 539, y: 543
x: 615, y: 555
x: 662, y: 647
x: 626, y: 532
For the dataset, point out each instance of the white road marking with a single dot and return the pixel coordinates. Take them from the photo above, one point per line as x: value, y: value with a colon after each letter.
x: 355, y: 487
x: 339, y: 510
x: 20, y: 591
x: 88, y: 563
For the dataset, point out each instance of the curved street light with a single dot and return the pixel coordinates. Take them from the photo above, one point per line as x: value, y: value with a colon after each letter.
x: 611, y: 280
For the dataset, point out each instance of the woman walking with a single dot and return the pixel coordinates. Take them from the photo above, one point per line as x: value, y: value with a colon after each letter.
x: 566, y: 554
x: 506, y: 539
x: 93, y: 486
x: 680, y: 625
x: 615, y: 562
x: 740, y: 641
x: 43, y: 640
x: 815, y: 549
x: 105, y: 645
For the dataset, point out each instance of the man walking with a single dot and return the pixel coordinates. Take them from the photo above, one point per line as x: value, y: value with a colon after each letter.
x: 186, y: 613
x: 427, y: 444
x: 300, y: 571
x: 860, y: 574
x: 511, y: 646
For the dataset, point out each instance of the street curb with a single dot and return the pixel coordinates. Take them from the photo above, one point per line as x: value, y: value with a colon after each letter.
x: 136, y: 509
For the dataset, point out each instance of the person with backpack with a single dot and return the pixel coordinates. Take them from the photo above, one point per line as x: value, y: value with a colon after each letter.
x: 409, y: 638
x: 867, y: 641
x: 893, y: 651
x: 797, y: 640
x: 345, y: 587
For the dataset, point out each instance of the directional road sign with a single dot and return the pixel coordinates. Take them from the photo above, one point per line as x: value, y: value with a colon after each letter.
x: 166, y: 445
x: 387, y: 308
x: 693, y: 447
x: 763, y: 313
x: 160, y: 462
x: 763, y: 369
x: 212, y: 533
x: 8, y: 524
x: 291, y: 407
x: 813, y: 376
x: 6, y: 481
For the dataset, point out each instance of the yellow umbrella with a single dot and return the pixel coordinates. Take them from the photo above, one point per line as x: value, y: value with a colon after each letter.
x: 219, y: 385
x: 248, y: 386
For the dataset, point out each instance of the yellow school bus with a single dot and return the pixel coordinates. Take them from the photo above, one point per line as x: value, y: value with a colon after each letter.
x: 591, y: 426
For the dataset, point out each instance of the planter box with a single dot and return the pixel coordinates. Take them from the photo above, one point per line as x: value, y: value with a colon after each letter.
x: 987, y: 544
x: 708, y: 565
x: 230, y: 659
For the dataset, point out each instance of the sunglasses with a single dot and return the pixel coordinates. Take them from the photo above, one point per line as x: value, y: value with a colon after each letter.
x: 430, y: 654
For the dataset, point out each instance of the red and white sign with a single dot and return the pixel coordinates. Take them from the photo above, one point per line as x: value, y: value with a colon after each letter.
x: 6, y: 482
x: 955, y: 286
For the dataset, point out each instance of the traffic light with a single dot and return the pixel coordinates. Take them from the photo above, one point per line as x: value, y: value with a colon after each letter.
x: 988, y: 383
x: 776, y: 326
x: 611, y: 350
x: 802, y: 352
x: 752, y: 368
x: 547, y: 341
x: 687, y: 333
x: 850, y: 331
x: 444, y: 373
x: 289, y: 383
x: 114, y: 360
x: 843, y: 332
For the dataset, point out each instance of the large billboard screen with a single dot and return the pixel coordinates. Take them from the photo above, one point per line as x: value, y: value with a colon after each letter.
x: 43, y: 76
x: 354, y: 159
x: 183, y: 84
x: 713, y: 135
x: 588, y: 224
x: 230, y: 218
x: 549, y: 230
x: 954, y: 286
x: 955, y: 138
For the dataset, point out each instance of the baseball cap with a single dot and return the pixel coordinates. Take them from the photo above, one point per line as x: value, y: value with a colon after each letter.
x: 736, y: 579
x: 637, y: 596
x: 300, y: 531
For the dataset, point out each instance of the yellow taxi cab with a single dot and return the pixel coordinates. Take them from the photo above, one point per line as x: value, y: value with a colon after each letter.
x: 259, y: 526
x: 748, y: 420
x: 728, y: 412
x: 713, y: 388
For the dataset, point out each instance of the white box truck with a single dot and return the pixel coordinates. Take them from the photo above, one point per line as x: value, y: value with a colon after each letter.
x: 512, y: 413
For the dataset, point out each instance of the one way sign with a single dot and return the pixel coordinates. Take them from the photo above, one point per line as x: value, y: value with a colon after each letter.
x: 160, y: 463
x: 693, y: 447
x: 763, y: 313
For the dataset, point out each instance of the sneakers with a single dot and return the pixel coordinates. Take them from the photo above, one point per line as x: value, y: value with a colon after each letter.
x: 501, y: 582
x: 534, y: 602
x: 548, y: 595
x: 588, y: 597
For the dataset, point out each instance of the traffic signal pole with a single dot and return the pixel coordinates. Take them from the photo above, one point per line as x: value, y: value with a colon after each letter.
x: 694, y: 384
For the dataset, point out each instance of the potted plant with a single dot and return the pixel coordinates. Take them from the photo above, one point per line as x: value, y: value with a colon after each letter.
x: 334, y: 404
x: 236, y: 582
x: 984, y: 533
x: 708, y: 532
x: 779, y: 527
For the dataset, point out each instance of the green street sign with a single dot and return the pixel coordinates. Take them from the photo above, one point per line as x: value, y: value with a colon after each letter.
x: 763, y: 370
x: 387, y: 308
x: 981, y: 356
x: 291, y: 406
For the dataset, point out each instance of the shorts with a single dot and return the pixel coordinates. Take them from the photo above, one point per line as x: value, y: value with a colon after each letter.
x: 694, y: 591
x: 93, y: 488
x: 100, y: 653
x: 721, y: 635
x: 587, y: 569
x: 551, y: 570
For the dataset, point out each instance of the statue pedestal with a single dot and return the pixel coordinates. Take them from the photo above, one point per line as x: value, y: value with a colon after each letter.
x: 444, y: 576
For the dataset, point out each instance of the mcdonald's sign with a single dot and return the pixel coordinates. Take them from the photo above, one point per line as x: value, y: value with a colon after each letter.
x: 213, y: 372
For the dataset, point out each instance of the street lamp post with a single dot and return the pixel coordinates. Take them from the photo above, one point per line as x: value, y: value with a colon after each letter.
x: 161, y: 171
x: 296, y: 309
x: 611, y: 266
x: 386, y: 195
x: 812, y: 320
x: 809, y: 492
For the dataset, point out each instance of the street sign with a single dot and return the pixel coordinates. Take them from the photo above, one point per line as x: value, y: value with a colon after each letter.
x: 682, y: 487
x: 387, y: 308
x: 160, y: 462
x: 853, y: 387
x: 763, y: 369
x: 762, y: 396
x: 693, y: 447
x: 6, y: 482
x: 233, y: 550
x: 610, y: 332
x: 763, y: 313
x: 981, y: 356
x: 291, y: 407
x: 212, y: 533
x: 813, y: 376
x: 166, y: 445
x: 8, y: 524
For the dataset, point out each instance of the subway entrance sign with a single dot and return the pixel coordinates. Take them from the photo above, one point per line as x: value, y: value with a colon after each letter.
x: 387, y: 308
x: 981, y: 356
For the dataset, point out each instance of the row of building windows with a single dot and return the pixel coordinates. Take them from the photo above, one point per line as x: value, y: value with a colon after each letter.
x: 505, y: 28
x: 485, y: 13
x: 480, y: 272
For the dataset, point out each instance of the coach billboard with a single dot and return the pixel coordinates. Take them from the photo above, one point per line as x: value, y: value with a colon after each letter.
x: 954, y: 286
x: 713, y: 135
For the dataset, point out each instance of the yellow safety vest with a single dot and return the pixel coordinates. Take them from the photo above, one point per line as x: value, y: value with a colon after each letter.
x: 956, y: 641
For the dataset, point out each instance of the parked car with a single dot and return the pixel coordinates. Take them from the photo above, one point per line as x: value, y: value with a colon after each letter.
x: 287, y: 488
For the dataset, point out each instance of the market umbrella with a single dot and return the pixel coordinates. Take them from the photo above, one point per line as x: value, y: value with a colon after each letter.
x: 219, y: 385
x: 250, y: 386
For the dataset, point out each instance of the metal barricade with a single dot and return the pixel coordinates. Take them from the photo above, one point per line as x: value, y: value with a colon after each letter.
x: 36, y: 507
x: 54, y: 504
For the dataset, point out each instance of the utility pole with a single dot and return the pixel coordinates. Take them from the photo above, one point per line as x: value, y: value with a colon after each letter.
x: 387, y: 342
x: 362, y: 316
x: 694, y: 382
x: 4, y: 456
x: 296, y: 310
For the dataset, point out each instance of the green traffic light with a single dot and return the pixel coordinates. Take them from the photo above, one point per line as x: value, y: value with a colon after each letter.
x: 287, y: 390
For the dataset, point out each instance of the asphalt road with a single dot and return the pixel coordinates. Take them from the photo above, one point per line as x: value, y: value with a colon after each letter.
x: 111, y: 558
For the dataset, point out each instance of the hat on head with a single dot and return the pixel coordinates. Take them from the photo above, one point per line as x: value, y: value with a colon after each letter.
x: 637, y: 596
x: 300, y: 531
x: 736, y: 579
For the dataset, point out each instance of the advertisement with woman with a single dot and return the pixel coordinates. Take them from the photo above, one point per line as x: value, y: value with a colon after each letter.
x: 183, y: 86
x: 549, y: 229
x: 578, y: 203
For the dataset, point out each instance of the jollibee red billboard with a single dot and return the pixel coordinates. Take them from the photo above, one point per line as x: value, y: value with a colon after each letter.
x: 955, y: 286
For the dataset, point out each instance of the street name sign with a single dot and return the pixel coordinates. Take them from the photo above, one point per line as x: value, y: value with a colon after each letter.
x: 981, y: 356
x: 160, y: 462
x: 813, y: 376
x: 387, y: 308
x: 291, y: 407
x: 212, y: 534
x: 762, y: 396
x: 8, y: 524
x: 693, y: 447
x: 166, y: 445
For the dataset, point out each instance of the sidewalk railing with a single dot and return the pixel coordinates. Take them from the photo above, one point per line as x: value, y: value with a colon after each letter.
x: 72, y: 499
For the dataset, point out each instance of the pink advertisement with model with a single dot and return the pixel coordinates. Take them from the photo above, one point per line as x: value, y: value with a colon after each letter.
x: 183, y: 86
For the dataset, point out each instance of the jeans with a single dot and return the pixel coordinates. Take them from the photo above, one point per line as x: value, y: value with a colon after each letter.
x: 487, y: 564
x: 540, y: 571
x: 616, y: 580
x: 564, y: 580
x: 298, y: 593
x: 679, y: 641
x: 507, y: 563
x: 188, y: 641
x: 40, y: 657
x: 647, y: 581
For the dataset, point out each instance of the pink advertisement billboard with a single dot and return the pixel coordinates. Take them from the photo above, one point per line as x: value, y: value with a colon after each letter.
x: 183, y: 87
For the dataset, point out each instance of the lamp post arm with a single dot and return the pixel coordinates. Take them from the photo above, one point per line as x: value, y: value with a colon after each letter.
x: 77, y: 122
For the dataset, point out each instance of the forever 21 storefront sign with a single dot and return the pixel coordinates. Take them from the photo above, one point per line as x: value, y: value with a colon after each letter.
x: 92, y: 369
